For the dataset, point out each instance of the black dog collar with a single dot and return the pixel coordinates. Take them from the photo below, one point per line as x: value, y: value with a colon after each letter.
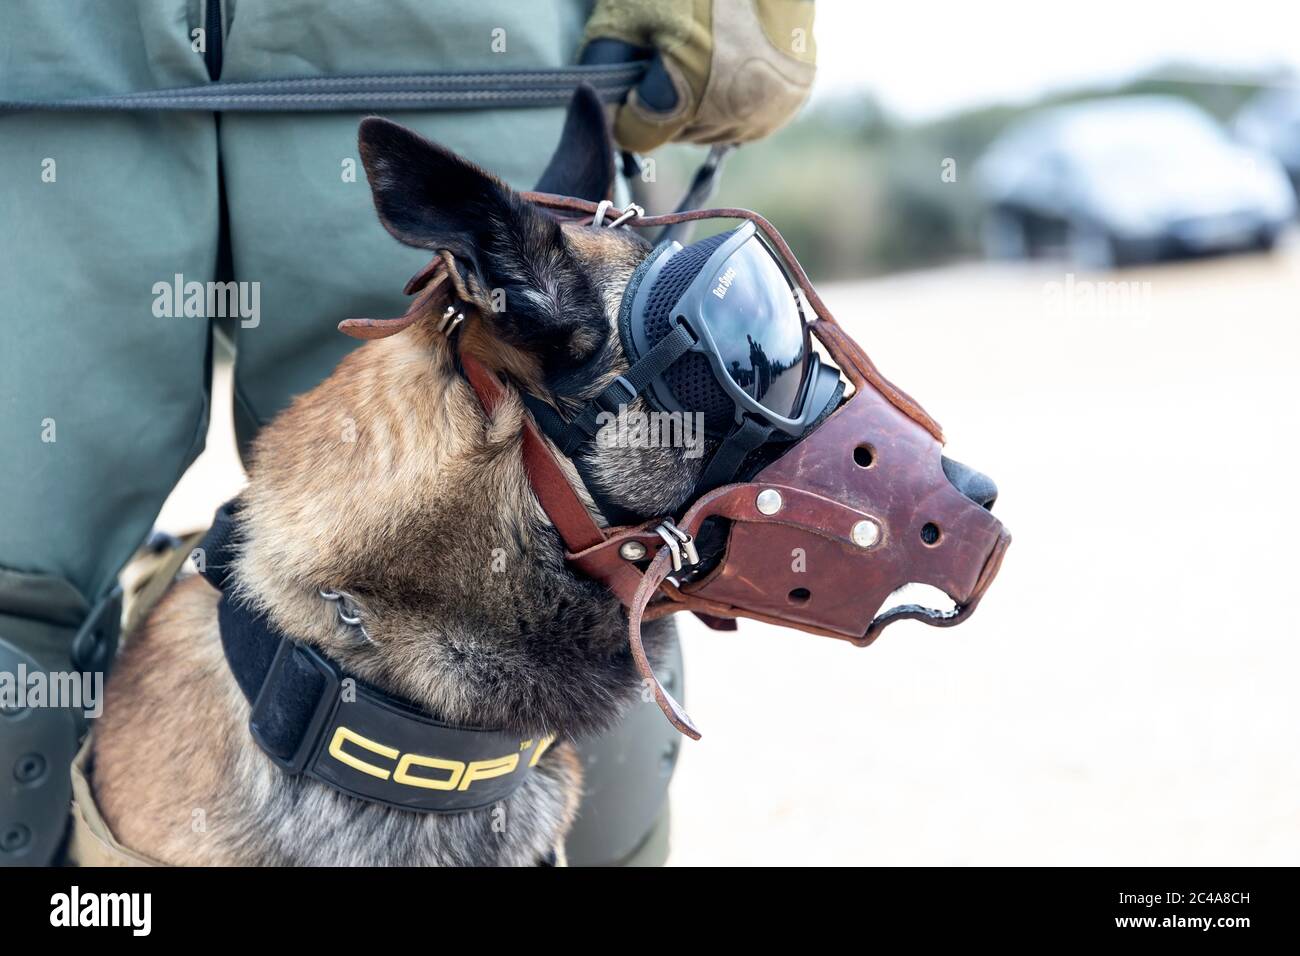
x: 311, y: 718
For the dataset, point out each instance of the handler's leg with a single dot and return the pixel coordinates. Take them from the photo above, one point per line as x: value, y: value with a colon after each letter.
x: 623, y: 820
x: 102, y: 404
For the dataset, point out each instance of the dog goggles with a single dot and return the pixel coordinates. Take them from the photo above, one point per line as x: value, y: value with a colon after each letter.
x: 714, y: 329
x: 743, y: 313
x: 855, y: 506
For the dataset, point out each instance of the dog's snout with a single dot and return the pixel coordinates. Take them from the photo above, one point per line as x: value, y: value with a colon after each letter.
x: 975, y: 485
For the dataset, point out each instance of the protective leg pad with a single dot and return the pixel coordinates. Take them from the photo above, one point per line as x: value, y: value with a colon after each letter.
x: 37, y: 745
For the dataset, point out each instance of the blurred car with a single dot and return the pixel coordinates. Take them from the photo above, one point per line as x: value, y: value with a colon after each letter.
x: 1271, y: 122
x: 1128, y: 179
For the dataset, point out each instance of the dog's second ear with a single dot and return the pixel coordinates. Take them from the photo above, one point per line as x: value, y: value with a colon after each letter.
x: 427, y: 196
x: 583, y: 162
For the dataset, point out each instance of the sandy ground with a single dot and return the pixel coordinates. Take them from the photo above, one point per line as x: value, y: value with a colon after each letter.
x: 1127, y: 692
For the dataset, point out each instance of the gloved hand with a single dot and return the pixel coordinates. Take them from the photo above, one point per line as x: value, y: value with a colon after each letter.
x: 724, y: 71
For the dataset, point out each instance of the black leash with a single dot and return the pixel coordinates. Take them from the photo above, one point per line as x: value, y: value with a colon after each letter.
x: 411, y: 91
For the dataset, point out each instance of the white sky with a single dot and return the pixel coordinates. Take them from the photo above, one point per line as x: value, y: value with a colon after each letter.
x: 924, y: 58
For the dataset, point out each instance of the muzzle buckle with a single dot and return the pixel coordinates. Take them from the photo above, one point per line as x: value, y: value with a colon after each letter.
x: 681, y: 545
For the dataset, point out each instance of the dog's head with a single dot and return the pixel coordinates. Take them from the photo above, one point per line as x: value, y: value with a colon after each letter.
x: 547, y: 301
x: 548, y: 293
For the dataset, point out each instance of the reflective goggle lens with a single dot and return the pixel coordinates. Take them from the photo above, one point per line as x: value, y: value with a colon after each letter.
x: 755, y: 322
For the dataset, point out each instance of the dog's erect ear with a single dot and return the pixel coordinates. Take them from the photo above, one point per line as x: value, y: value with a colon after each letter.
x: 583, y: 162
x: 536, y: 294
x: 426, y: 195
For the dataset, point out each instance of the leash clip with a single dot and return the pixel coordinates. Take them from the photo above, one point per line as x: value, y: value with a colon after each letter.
x: 680, y: 545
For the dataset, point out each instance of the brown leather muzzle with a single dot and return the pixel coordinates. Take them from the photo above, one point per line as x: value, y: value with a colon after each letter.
x: 805, y: 565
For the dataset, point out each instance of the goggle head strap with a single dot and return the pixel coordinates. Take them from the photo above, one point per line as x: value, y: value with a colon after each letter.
x: 570, y: 436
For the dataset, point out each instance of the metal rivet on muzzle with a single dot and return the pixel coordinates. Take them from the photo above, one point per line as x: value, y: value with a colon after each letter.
x: 632, y: 551
x: 865, y: 533
x: 768, y: 501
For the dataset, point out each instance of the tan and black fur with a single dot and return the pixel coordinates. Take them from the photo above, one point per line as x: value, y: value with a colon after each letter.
x: 388, y: 482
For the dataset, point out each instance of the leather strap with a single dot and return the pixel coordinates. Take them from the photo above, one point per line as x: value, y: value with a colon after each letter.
x: 738, y: 502
x: 572, y: 520
x: 646, y: 590
x: 435, y: 287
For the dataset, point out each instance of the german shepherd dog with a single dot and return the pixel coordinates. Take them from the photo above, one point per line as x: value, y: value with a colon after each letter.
x: 427, y: 519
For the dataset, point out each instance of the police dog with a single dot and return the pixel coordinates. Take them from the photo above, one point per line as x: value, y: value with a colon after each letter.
x: 426, y: 517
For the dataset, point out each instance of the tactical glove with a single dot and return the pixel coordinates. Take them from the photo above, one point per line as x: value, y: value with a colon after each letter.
x: 724, y: 71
